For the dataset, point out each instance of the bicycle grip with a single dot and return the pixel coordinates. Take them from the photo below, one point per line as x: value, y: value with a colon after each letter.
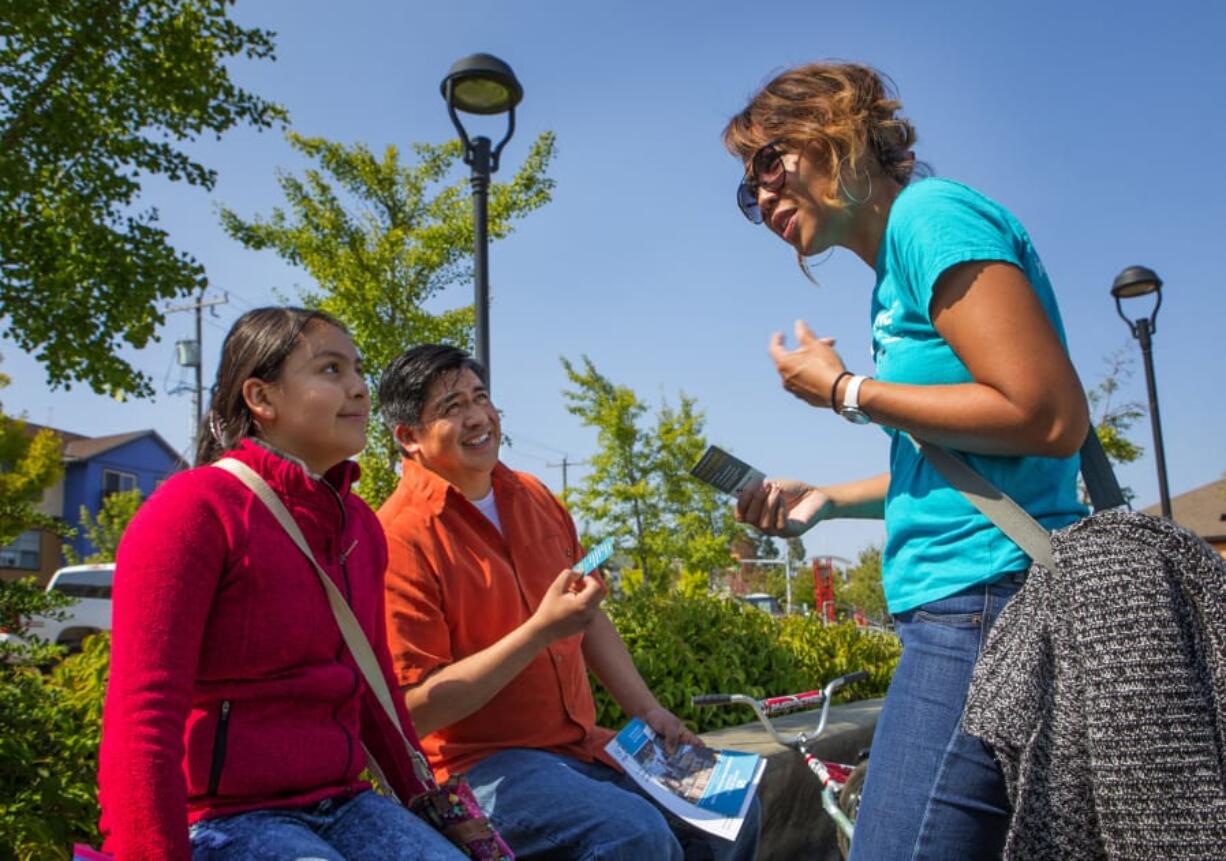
x: 710, y: 699
x: 851, y: 678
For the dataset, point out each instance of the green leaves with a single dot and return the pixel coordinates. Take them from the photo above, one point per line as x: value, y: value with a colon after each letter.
x: 382, y: 238
x: 94, y: 94
x: 105, y: 530
x: 28, y: 465
x: 695, y: 643
x: 639, y: 488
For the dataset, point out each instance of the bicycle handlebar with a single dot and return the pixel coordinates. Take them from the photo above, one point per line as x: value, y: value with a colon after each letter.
x: 789, y: 702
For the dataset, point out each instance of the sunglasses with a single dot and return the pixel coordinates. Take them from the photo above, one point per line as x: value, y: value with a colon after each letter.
x: 765, y: 171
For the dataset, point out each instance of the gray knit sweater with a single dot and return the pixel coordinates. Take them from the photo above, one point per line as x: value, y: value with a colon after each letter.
x: 1102, y: 690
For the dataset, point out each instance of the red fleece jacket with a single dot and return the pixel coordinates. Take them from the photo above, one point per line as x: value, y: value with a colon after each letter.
x: 231, y: 688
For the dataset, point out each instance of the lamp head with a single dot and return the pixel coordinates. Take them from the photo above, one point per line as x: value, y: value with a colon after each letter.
x: 1135, y: 281
x: 481, y: 84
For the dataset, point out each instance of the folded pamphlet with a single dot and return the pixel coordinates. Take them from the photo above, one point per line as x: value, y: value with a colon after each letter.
x: 724, y: 472
x: 709, y: 788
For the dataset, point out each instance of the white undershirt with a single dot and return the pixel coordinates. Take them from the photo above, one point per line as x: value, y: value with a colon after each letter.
x: 487, y: 507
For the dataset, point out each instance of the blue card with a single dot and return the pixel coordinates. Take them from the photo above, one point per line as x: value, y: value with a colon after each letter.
x: 595, y: 557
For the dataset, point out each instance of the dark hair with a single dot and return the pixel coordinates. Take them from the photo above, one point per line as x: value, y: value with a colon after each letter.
x: 406, y: 382
x: 257, y: 345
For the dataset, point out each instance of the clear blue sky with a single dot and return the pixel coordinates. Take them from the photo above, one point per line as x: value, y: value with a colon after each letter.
x: 1099, y: 125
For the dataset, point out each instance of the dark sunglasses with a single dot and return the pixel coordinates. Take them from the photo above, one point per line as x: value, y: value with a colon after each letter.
x: 765, y: 171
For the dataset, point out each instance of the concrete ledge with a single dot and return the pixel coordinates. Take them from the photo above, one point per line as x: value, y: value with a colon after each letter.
x: 793, y: 822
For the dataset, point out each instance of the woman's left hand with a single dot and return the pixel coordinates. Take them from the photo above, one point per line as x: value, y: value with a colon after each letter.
x: 808, y: 371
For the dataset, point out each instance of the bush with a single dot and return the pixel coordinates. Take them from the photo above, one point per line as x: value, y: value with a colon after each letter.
x: 697, y: 644
x: 50, y: 727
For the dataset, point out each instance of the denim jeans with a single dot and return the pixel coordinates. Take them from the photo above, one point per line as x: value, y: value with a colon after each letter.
x: 933, y: 792
x: 549, y: 806
x: 366, y: 827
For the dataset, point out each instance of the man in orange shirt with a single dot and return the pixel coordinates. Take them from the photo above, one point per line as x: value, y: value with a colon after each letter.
x: 492, y: 634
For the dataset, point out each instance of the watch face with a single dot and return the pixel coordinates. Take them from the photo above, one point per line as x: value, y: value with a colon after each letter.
x: 855, y: 415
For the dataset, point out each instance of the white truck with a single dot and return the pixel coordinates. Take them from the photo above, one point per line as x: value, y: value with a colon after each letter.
x: 89, y: 614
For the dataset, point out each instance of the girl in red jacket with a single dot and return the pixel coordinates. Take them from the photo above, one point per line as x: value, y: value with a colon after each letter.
x: 235, y: 718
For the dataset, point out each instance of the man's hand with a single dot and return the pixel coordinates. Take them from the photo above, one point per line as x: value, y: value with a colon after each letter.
x: 569, y: 605
x: 782, y: 506
x: 670, y: 728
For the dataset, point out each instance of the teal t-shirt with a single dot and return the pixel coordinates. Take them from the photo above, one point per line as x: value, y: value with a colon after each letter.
x: 936, y: 542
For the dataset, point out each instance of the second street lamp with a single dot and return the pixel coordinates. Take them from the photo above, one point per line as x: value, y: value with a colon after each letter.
x: 1133, y: 282
x: 481, y: 84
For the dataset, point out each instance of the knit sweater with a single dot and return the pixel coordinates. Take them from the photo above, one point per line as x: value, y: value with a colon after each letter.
x: 1102, y: 690
x: 231, y: 688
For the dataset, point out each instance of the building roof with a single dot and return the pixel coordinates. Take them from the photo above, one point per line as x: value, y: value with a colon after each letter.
x: 1202, y: 510
x: 79, y: 447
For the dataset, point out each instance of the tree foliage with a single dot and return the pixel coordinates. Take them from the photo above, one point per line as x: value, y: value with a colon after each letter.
x: 105, y: 530
x: 639, y: 489
x: 863, y: 588
x: 382, y: 238
x: 28, y: 465
x: 1113, y: 420
x: 96, y: 95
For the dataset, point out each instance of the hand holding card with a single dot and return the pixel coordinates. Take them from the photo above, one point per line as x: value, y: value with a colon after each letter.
x: 595, y: 557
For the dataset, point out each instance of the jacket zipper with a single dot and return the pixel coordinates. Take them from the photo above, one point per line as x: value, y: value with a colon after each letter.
x: 219, y: 748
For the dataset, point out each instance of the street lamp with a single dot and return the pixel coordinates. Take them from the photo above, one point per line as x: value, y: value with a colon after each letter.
x: 481, y: 84
x: 1133, y: 282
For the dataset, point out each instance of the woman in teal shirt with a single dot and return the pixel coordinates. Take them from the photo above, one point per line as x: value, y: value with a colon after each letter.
x: 969, y: 352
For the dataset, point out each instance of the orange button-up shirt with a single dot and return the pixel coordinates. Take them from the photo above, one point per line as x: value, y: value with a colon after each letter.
x: 456, y: 586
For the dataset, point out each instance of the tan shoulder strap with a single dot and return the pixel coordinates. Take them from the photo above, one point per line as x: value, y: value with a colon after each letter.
x: 351, y: 631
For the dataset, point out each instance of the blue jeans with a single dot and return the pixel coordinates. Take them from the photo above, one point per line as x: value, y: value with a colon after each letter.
x: 366, y: 826
x: 933, y: 792
x: 547, y: 805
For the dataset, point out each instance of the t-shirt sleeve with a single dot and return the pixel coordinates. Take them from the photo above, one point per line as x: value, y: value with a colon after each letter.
x: 938, y: 225
x: 417, y: 633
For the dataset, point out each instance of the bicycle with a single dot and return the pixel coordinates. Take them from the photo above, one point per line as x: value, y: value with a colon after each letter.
x: 841, y: 783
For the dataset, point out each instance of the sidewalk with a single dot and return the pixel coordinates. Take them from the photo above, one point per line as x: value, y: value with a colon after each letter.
x: 793, y: 822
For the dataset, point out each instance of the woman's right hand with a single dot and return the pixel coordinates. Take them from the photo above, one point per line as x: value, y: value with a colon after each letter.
x: 782, y: 507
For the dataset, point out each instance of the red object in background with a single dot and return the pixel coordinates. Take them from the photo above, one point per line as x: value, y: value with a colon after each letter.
x: 823, y: 588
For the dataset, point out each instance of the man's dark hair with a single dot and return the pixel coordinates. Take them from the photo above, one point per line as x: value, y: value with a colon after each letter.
x: 406, y: 382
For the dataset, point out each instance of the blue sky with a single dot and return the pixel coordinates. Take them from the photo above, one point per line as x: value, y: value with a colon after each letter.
x: 1099, y: 125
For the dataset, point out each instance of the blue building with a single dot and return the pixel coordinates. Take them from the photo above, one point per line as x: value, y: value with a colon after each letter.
x: 94, y: 467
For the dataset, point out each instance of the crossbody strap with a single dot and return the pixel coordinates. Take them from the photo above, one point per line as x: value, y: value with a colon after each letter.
x: 1009, y: 517
x: 351, y: 631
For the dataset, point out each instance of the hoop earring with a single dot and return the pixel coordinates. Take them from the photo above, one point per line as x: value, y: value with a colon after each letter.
x: 851, y: 197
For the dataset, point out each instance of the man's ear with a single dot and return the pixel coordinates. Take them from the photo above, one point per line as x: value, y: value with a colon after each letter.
x: 406, y: 438
x: 255, y: 395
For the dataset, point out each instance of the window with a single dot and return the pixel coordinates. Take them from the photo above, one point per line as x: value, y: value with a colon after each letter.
x: 95, y: 583
x: 24, y: 552
x: 114, y: 481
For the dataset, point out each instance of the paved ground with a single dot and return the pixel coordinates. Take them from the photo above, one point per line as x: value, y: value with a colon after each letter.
x: 793, y: 824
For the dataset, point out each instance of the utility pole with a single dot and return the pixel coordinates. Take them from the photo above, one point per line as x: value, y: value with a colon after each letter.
x: 566, y: 462
x: 190, y: 353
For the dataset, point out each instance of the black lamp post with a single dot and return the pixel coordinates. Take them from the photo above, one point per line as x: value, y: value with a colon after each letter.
x: 481, y: 84
x: 1140, y: 281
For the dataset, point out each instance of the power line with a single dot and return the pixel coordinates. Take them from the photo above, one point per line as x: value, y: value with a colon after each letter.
x: 565, y: 464
x: 190, y: 356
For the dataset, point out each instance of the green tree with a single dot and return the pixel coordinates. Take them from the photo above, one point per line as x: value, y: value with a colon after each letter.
x: 96, y: 96
x: 105, y: 530
x: 1113, y: 420
x: 863, y: 587
x: 639, y: 489
x: 28, y: 465
x: 381, y: 239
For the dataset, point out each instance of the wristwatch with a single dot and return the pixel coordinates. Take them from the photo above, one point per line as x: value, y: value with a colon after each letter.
x: 851, y: 402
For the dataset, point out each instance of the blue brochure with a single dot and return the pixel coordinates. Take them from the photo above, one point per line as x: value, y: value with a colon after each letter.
x: 595, y: 557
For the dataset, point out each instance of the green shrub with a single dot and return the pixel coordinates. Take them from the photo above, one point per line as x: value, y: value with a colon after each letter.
x: 697, y: 644
x: 50, y: 727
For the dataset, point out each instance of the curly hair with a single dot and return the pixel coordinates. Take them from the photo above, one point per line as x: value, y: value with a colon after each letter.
x: 841, y: 112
